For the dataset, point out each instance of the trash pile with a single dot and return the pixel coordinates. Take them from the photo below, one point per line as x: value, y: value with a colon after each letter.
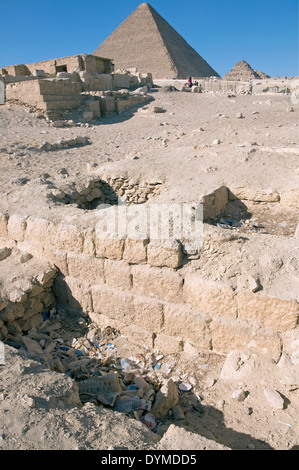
x: 147, y: 386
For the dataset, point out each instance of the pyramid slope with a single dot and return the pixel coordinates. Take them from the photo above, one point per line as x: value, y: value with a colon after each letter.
x: 146, y: 41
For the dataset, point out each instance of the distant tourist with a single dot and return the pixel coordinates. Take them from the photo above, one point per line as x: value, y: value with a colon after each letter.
x: 190, y: 82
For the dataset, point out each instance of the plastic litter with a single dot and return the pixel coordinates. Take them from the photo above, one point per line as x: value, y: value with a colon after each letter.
x: 149, y: 421
x: 185, y: 387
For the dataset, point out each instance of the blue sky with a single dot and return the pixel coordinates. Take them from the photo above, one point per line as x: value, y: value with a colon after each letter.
x: 262, y: 32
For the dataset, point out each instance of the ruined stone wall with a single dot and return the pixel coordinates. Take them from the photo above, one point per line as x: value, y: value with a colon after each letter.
x: 140, y: 287
x: 26, y: 295
x: 45, y: 94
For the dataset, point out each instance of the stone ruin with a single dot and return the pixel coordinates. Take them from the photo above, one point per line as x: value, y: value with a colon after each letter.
x: 82, y: 84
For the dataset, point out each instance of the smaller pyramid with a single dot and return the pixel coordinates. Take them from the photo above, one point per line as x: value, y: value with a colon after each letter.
x: 243, y: 72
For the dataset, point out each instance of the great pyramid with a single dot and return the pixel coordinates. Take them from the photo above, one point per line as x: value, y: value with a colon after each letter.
x: 242, y: 71
x: 146, y: 41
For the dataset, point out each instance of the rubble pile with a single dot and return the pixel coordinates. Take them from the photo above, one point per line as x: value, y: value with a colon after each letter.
x: 146, y: 386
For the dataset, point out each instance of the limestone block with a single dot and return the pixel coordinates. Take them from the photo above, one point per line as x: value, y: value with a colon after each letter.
x: 239, y: 364
x: 94, y: 107
x: 135, y: 251
x: 166, y: 398
x: 228, y: 336
x: 255, y: 195
x: 291, y: 344
x: 47, y: 299
x: 78, y: 295
x: 115, y: 304
x: 111, y: 248
x: 59, y: 236
x: 165, y: 253
x: 32, y: 322
x: 88, y: 244
x: 3, y: 225
x: 148, y: 314
x: 12, y: 312
x: 177, y: 438
x: 168, y: 344
x: 67, y: 237
x: 188, y: 324
x: 139, y: 337
x: 56, y: 258
x: 46, y: 278
x: 16, y: 227
x: 215, y: 202
x: 33, y: 307
x: 107, y: 105
x: 117, y: 274
x: 86, y: 268
x: 210, y: 298
x: 268, y: 312
x: 274, y: 398
x: 33, y: 249
x: 3, y: 303
x: 290, y: 199
x: 164, y: 284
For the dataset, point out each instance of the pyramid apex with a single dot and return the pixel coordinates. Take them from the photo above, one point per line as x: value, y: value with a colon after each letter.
x: 146, y: 42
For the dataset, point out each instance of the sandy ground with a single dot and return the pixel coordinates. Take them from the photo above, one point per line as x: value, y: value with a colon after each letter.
x: 195, y: 146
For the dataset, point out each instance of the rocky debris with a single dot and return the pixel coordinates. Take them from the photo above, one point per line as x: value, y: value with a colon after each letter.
x: 274, y: 399
x: 137, y: 386
x: 238, y: 395
x: 19, y: 151
x: 177, y: 438
x: 64, y: 144
x: 25, y: 293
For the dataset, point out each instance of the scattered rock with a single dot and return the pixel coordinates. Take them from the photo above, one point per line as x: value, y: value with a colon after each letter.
x: 274, y: 399
x: 238, y: 395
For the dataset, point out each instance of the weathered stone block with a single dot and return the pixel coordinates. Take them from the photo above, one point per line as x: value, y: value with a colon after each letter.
x: 139, y: 337
x: 210, y: 298
x: 166, y: 253
x: 33, y: 249
x: 16, y: 227
x: 59, y: 236
x: 117, y: 274
x: 78, y: 295
x: 135, y: 251
x: 163, y: 284
x: 268, y: 312
x: 228, y: 336
x: 111, y: 248
x: 86, y: 268
x: 12, y: 312
x: 168, y: 344
x: 3, y: 225
x: 190, y: 325
x: 148, y: 314
x: 56, y: 258
x: 166, y: 398
x: 117, y: 305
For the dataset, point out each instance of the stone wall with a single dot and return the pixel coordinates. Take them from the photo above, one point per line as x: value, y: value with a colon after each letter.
x: 46, y: 94
x: 25, y: 292
x: 142, y: 288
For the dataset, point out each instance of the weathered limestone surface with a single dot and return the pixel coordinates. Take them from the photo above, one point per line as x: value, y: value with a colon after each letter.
x: 150, y: 298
